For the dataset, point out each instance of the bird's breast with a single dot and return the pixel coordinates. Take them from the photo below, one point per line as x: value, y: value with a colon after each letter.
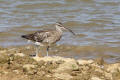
x: 52, y: 39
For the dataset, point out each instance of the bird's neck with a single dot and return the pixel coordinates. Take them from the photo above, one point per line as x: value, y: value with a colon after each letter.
x: 59, y: 29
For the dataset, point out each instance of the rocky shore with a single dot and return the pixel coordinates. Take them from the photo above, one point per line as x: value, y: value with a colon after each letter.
x: 16, y: 64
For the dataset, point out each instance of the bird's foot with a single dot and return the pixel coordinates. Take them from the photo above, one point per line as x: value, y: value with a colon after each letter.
x: 33, y: 55
x: 47, y: 54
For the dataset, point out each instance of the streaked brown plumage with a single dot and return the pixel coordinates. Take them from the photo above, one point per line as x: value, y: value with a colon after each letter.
x: 46, y: 36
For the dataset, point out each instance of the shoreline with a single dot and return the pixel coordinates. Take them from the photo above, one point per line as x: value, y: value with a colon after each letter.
x: 15, y: 64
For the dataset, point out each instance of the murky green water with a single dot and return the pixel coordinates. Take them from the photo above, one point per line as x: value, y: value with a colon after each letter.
x: 97, y: 22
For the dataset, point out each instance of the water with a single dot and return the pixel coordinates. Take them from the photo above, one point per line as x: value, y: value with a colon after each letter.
x: 95, y: 21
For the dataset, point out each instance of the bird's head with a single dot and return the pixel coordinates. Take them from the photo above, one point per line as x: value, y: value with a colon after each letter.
x: 60, y: 26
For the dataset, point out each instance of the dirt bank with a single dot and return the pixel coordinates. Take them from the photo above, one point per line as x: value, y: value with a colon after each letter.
x: 15, y: 64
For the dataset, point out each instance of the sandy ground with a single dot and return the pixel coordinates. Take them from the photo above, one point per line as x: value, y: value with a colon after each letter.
x: 16, y: 64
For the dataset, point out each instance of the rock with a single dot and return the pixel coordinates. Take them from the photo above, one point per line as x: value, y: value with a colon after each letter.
x: 96, y: 78
x: 65, y: 63
x: 20, y: 54
x: 41, y: 73
x: 3, y: 51
x: 47, y: 58
x: 69, y: 65
x: 63, y: 76
x: 16, y: 71
x: 108, y: 76
x: 37, y: 58
x: 48, y: 76
x: 28, y: 67
x: 3, y: 72
x: 54, y: 68
x: 83, y: 62
x: 112, y: 68
x: 101, y: 73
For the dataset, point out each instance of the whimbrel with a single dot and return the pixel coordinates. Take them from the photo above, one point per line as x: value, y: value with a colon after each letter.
x: 46, y: 37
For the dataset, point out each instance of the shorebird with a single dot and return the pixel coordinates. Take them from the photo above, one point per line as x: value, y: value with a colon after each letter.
x: 46, y: 37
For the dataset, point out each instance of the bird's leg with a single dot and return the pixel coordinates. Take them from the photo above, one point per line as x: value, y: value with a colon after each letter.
x: 37, y: 50
x: 47, y: 49
x: 37, y: 45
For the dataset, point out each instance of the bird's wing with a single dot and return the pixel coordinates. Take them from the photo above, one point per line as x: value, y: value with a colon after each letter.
x: 41, y: 35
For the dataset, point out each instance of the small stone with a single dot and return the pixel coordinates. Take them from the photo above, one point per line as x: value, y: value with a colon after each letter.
x: 28, y: 67
x: 20, y: 54
x: 83, y: 62
x: 48, y: 76
x: 59, y: 62
x: 3, y: 72
x: 41, y: 63
x: 16, y: 71
x: 113, y: 68
x: 37, y: 58
x: 3, y: 51
x: 41, y: 73
x: 63, y: 76
x: 69, y: 65
x: 73, y: 74
x: 95, y: 78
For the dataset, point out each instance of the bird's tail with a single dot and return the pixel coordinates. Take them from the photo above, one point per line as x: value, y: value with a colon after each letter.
x: 29, y: 36
x: 25, y: 36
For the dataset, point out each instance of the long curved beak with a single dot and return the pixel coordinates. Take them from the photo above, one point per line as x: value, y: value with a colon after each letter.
x: 69, y: 30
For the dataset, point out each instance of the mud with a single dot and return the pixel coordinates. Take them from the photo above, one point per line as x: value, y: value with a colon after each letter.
x: 16, y: 64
